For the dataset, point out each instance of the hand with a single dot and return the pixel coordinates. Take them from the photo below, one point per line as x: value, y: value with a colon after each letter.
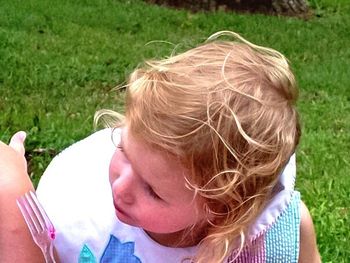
x: 13, y: 166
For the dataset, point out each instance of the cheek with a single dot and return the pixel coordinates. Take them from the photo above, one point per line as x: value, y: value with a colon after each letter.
x: 189, y: 215
x: 169, y: 220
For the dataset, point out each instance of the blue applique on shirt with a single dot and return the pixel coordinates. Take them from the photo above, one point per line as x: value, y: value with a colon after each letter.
x: 115, y: 252
x: 118, y: 252
x: 86, y: 255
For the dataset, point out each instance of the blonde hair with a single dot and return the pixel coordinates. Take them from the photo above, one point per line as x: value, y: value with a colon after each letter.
x: 226, y: 109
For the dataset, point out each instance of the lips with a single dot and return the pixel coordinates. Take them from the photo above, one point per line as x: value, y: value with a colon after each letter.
x: 119, y: 210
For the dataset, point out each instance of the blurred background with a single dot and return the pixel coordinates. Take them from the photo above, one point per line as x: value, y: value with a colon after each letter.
x: 60, y: 62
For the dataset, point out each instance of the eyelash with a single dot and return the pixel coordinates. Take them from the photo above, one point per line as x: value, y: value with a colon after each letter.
x: 120, y: 147
x: 152, y: 193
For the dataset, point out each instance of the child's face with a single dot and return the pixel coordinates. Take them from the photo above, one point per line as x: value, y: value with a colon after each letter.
x: 149, y: 190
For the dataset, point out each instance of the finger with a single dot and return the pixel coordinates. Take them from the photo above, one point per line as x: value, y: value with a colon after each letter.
x: 17, y: 141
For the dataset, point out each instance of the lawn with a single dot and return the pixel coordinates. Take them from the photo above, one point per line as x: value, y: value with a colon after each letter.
x: 60, y: 62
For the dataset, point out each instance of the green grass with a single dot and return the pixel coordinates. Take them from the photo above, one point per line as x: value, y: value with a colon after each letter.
x: 60, y: 60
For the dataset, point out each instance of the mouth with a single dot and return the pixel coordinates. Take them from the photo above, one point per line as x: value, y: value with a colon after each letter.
x: 119, y: 210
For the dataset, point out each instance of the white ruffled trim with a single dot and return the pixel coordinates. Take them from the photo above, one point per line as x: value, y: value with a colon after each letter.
x: 278, y: 203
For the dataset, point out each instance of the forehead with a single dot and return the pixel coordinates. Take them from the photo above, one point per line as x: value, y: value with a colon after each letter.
x: 159, y: 169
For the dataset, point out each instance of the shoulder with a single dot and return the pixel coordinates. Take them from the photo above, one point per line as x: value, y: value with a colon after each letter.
x: 83, y: 153
x: 308, y: 251
x: 95, y: 142
x: 84, y: 163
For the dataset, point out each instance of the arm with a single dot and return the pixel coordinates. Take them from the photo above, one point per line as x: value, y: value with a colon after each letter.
x: 308, y: 252
x: 16, y: 244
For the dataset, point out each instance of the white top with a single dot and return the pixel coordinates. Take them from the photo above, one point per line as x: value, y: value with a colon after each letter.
x: 76, y: 195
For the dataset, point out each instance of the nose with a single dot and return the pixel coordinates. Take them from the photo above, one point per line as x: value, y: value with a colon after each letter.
x: 123, y: 187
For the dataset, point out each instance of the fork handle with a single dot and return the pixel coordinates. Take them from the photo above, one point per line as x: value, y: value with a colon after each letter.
x: 48, y: 254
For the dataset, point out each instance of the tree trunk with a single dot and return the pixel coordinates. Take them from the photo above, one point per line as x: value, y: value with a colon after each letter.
x: 290, y: 6
x: 284, y: 7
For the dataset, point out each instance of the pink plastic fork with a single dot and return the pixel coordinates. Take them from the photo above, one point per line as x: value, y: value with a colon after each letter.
x: 39, y: 224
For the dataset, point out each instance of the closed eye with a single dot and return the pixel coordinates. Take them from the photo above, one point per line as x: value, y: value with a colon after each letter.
x: 152, y: 193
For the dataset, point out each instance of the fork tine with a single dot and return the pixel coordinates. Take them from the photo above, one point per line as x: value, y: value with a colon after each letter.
x: 21, y: 202
x: 38, y: 219
x: 48, y: 223
x: 41, y: 210
x: 45, y: 220
x: 33, y: 213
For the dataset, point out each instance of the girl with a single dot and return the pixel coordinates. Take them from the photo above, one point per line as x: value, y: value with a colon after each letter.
x: 203, y: 169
